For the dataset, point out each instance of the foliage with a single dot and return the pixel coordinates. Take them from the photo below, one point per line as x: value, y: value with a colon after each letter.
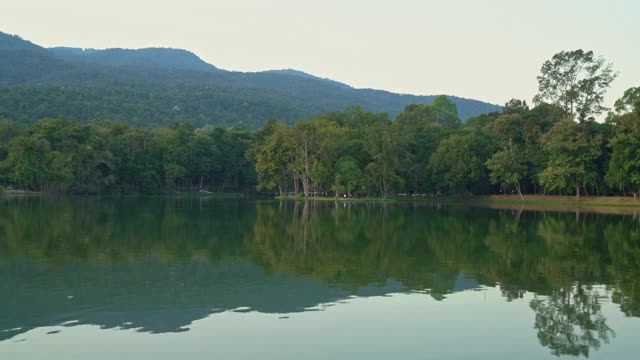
x: 151, y: 88
x: 629, y: 102
x: 624, y: 166
x: 60, y: 155
x: 459, y: 163
x: 575, y: 81
x: 162, y: 137
x: 507, y: 168
x: 573, y: 152
x: 349, y: 175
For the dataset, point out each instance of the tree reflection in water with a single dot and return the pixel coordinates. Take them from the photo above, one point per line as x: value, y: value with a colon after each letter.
x: 570, y: 321
x: 568, y: 262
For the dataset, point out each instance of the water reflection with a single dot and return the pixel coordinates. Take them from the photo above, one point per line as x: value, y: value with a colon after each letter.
x: 570, y: 321
x: 157, y: 266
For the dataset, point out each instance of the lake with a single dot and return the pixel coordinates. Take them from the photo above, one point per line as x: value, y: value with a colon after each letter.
x: 145, y: 278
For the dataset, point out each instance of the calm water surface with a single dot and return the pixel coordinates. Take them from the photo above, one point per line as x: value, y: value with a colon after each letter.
x: 229, y: 279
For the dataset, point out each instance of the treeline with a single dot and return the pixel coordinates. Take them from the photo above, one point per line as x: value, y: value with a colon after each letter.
x: 427, y: 150
x: 556, y: 147
x: 58, y: 155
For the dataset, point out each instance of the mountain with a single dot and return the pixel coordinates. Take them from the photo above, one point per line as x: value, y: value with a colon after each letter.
x: 14, y: 42
x: 161, y: 86
x: 160, y: 58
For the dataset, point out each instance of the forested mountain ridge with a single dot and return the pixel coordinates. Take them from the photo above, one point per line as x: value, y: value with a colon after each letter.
x: 14, y: 42
x: 154, y: 87
x: 555, y: 147
x: 150, y: 57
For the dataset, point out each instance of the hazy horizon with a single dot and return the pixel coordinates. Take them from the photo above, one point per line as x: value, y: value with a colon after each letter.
x: 488, y: 51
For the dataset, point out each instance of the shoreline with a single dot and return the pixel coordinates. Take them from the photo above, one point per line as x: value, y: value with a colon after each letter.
x: 21, y: 192
x: 529, y: 200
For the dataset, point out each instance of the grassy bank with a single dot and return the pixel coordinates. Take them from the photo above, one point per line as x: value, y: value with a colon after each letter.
x: 20, y: 193
x: 531, y: 200
x: 528, y: 200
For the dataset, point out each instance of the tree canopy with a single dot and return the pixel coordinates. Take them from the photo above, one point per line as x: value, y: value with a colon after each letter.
x: 576, y: 81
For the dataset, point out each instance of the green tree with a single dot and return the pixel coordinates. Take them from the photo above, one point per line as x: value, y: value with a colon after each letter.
x: 384, y: 148
x: 421, y: 128
x: 235, y: 170
x: 441, y: 112
x: 572, y: 155
x: 515, y: 106
x: 349, y: 177
x: 575, y: 81
x: 26, y: 165
x: 458, y: 165
x: 203, y: 159
x: 173, y: 142
x: 630, y: 101
x: 311, y: 142
x: 507, y: 168
x: 271, y: 154
x: 138, y: 161
x: 624, y: 166
x: 60, y: 170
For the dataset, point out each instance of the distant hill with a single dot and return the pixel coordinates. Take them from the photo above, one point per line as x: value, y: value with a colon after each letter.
x: 14, y: 42
x: 159, y: 86
x: 161, y: 58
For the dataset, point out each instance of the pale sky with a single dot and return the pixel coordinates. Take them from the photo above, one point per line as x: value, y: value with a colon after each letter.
x: 488, y: 50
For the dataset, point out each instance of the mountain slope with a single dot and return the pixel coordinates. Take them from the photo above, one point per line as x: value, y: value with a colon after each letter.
x: 152, y: 87
x: 162, y: 58
x: 14, y: 42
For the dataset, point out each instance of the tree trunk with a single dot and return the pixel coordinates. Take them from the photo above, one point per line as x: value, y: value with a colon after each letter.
x: 519, y: 192
x: 385, y: 189
x: 305, y: 186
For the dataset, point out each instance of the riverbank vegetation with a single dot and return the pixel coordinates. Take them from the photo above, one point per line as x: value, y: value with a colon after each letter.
x: 555, y: 147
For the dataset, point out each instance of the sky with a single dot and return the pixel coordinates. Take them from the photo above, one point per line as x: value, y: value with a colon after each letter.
x: 488, y: 50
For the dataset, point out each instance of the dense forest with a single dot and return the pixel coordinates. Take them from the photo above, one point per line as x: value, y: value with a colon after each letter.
x: 555, y: 147
x: 160, y: 87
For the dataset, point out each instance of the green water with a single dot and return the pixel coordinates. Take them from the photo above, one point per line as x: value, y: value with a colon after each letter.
x: 239, y: 279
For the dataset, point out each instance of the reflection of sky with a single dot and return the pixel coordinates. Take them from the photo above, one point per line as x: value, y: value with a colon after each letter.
x: 470, y: 324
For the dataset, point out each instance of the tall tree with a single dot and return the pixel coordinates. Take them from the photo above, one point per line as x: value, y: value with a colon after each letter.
x: 624, y: 165
x: 27, y: 164
x: 384, y: 148
x: 577, y: 82
x: 458, y: 164
x: 311, y: 142
x: 271, y: 156
x: 572, y: 156
x: 348, y: 177
x: 508, y: 168
x: 629, y: 102
x: 515, y: 106
x: 421, y: 128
